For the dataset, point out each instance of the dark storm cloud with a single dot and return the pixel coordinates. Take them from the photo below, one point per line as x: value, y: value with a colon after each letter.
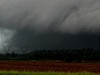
x: 70, y: 16
x: 46, y: 23
x: 51, y: 40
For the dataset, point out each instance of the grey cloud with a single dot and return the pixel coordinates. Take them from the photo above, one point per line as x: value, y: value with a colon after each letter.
x: 68, y: 15
x: 39, y: 17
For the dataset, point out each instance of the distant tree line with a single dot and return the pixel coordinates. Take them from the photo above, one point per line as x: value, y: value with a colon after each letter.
x: 67, y: 55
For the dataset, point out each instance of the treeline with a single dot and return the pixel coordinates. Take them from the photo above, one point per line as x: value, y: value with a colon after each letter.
x: 68, y: 55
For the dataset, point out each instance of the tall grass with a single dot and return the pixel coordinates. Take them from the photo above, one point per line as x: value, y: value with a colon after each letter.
x: 44, y: 73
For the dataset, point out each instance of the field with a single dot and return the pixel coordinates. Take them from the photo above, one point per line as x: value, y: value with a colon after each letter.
x: 37, y: 66
x: 44, y: 73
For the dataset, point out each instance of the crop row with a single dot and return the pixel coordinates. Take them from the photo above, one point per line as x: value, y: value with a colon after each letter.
x: 44, y: 73
x: 49, y: 66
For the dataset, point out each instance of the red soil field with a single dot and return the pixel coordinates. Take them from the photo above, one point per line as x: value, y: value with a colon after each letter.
x: 49, y: 66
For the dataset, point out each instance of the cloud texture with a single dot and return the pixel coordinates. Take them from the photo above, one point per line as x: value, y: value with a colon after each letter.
x: 43, y: 16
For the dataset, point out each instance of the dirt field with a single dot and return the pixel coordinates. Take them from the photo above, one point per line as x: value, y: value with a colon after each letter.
x: 49, y: 66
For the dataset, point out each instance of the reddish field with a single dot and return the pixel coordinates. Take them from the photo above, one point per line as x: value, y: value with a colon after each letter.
x: 49, y: 66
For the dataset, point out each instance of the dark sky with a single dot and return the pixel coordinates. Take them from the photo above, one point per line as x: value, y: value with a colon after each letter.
x: 50, y: 24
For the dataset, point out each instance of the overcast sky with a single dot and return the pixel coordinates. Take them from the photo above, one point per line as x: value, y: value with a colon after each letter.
x: 50, y: 24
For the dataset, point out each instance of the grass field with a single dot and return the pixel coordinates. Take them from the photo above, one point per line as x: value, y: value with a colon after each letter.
x: 44, y: 73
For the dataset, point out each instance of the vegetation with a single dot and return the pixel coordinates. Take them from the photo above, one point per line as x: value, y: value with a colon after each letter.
x: 68, y: 55
x: 46, y: 68
x: 44, y: 73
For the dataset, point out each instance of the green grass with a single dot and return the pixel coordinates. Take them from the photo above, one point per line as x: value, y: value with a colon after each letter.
x: 44, y: 73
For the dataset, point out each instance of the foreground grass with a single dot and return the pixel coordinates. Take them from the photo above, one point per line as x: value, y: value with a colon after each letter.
x: 44, y: 73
